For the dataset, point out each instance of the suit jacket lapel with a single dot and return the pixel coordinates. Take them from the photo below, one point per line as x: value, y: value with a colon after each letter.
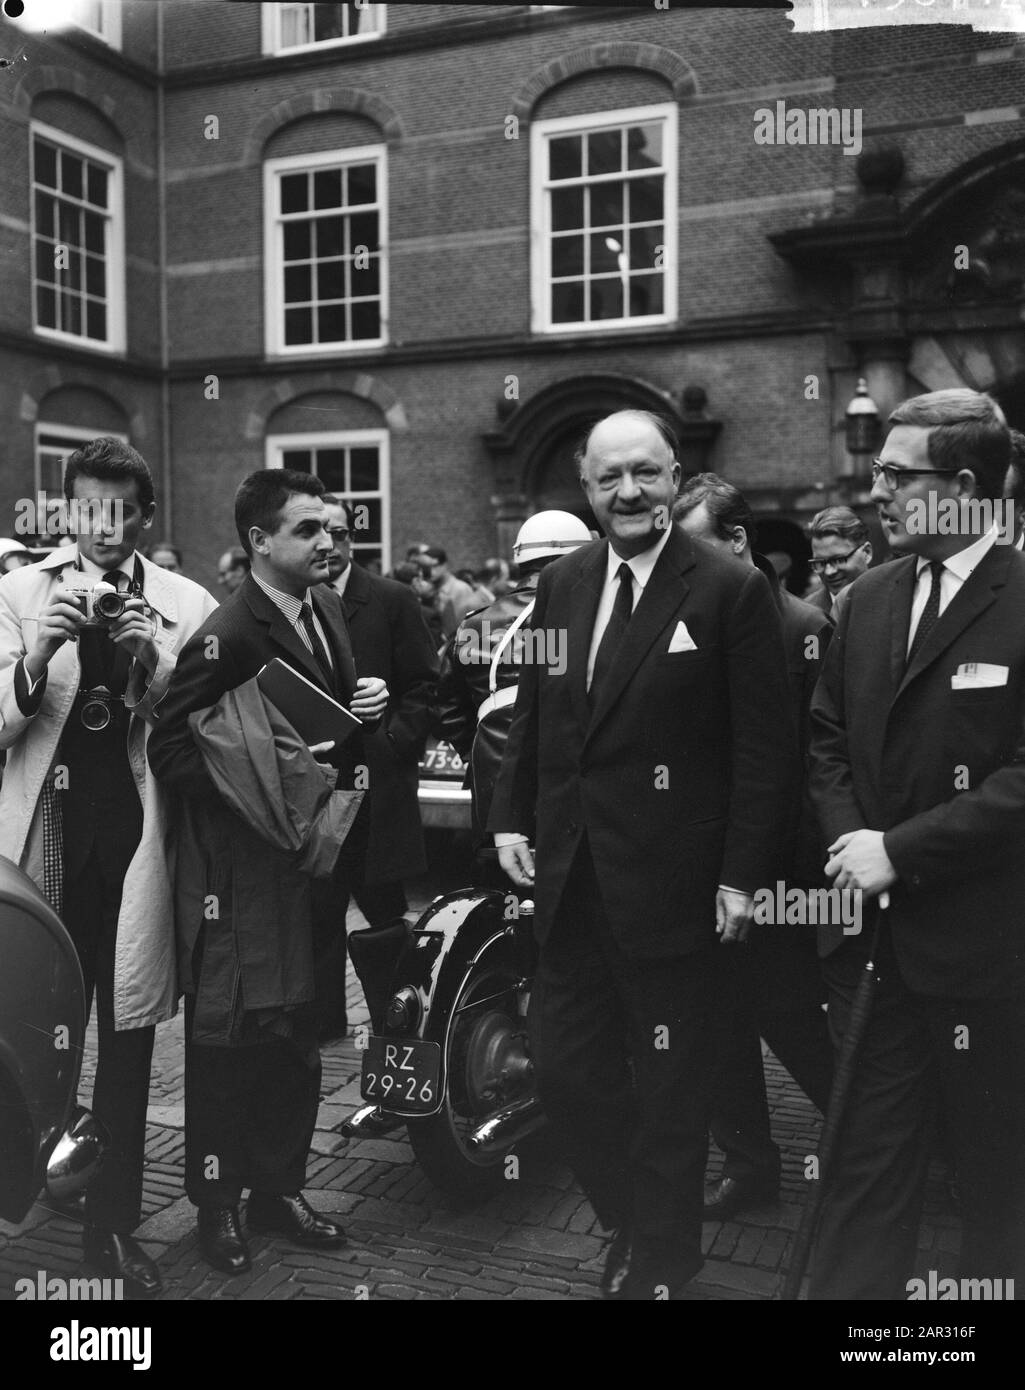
x: 584, y: 599
x: 660, y: 601
x: 357, y: 591
x: 975, y: 595
x: 282, y: 634
x: 899, y: 615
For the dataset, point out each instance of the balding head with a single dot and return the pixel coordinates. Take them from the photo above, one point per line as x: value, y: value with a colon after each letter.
x: 628, y: 470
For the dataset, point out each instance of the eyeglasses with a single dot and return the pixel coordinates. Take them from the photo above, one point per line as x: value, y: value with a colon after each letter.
x: 338, y: 533
x: 893, y: 476
x: 834, y: 561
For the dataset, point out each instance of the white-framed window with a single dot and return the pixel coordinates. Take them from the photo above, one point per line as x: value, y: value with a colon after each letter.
x: 53, y: 444
x: 354, y: 465
x: 78, y: 252
x: 603, y: 220
x: 299, y: 28
x: 325, y: 270
x: 100, y: 17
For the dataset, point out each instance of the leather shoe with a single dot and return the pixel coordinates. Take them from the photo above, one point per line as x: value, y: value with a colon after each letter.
x: 732, y: 1195
x: 617, y: 1264
x: 293, y: 1217
x: 120, y: 1257
x: 221, y: 1239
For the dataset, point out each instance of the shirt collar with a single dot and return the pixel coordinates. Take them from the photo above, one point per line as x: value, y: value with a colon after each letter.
x: 962, y: 564
x: 288, y: 603
x: 127, y: 565
x: 341, y: 583
x: 641, y: 565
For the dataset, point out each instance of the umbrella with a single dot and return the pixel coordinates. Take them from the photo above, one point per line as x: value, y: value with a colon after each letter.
x: 843, y: 1079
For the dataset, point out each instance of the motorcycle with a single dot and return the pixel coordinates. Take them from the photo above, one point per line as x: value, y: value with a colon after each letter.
x: 448, y: 1056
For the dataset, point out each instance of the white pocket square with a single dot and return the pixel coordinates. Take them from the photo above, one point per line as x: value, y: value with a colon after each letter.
x: 978, y: 675
x: 682, y: 641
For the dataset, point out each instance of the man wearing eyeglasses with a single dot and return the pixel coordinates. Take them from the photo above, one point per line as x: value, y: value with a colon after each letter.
x: 918, y: 775
x: 390, y: 638
x: 841, y: 550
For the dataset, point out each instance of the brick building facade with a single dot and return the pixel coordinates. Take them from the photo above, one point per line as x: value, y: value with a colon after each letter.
x: 421, y: 247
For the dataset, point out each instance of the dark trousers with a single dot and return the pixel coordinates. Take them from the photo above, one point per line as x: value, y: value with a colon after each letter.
x: 798, y: 1034
x: 624, y: 1050
x: 968, y: 1053
x: 92, y: 901
x: 250, y: 1111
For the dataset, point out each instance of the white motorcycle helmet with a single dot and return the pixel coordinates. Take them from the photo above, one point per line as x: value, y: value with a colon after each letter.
x: 549, y: 534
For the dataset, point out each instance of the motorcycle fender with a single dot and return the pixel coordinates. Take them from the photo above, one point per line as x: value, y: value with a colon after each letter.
x: 455, y: 933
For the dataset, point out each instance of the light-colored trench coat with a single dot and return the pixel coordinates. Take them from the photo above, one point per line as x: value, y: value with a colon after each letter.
x: 145, y: 977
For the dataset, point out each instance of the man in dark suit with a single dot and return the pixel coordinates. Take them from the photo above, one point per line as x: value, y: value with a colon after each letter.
x: 390, y: 638
x: 656, y: 759
x: 780, y: 991
x: 918, y: 772
x: 252, y: 1107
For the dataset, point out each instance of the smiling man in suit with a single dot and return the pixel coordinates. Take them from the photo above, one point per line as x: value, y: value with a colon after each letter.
x: 918, y: 773
x: 251, y: 1104
x: 655, y: 762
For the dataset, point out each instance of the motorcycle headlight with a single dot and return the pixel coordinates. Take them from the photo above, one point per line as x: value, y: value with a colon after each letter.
x: 403, y: 1011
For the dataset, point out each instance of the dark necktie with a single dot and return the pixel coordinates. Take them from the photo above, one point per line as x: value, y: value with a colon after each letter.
x: 118, y: 578
x: 613, y: 634
x: 930, y: 612
x: 319, y: 652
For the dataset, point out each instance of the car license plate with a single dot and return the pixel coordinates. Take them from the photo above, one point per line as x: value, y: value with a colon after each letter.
x: 401, y: 1075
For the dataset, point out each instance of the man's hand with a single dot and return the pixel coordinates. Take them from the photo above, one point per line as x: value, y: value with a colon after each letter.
x: 60, y: 621
x: 733, y: 914
x: 859, y: 860
x: 134, y: 631
x: 370, y: 700
x: 517, y: 863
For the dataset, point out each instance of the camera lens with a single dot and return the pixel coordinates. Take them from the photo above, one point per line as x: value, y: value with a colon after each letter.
x: 109, y: 606
x: 96, y: 715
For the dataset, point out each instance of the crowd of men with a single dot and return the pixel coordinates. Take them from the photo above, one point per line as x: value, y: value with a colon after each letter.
x: 707, y: 736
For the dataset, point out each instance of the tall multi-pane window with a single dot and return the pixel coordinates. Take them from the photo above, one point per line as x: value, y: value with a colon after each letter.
x: 604, y: 219
x: 353, y: 464
x: 289, y: 28
x: 325, y: 234
x: 77, y: 240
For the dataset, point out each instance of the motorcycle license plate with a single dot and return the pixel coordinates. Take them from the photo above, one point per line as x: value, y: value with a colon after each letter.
x: 401, y: 1075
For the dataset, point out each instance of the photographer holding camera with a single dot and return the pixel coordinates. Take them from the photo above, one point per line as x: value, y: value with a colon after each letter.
x: 88, y: 642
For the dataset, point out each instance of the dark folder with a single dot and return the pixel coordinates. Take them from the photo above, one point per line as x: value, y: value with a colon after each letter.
x: 312, y: 713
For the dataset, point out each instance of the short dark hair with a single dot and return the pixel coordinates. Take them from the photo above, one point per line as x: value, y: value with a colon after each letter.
x: 658, y: 422
x: 331, y: 500
x: 727, y: 505
x: 1015, y: 475
x: 967, y: 429
x: 436, y: 553
x: 262, y: 496
x: 841, y: 522
x: 110, y: 460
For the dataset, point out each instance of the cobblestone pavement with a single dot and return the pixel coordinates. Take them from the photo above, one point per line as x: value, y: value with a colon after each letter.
x: 537, y: 1240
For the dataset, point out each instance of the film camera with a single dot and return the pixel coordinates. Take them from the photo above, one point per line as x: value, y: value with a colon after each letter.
x: 103, y: 606
x: 101, y: 603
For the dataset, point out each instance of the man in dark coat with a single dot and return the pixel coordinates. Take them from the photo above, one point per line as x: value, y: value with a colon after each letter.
x: 251, y: 1106
x: 656, y: 762
x: 389, y: 638
x: 780, y: 990
x: 918, y: 774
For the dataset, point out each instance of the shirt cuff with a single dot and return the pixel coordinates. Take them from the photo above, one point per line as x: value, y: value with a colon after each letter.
x: 509, y: 837
x: 29, y: 695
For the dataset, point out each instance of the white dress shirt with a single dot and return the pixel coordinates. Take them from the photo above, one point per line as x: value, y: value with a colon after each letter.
x: 956, y: 569
x: 641, y: 567
x: 292, y: 607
